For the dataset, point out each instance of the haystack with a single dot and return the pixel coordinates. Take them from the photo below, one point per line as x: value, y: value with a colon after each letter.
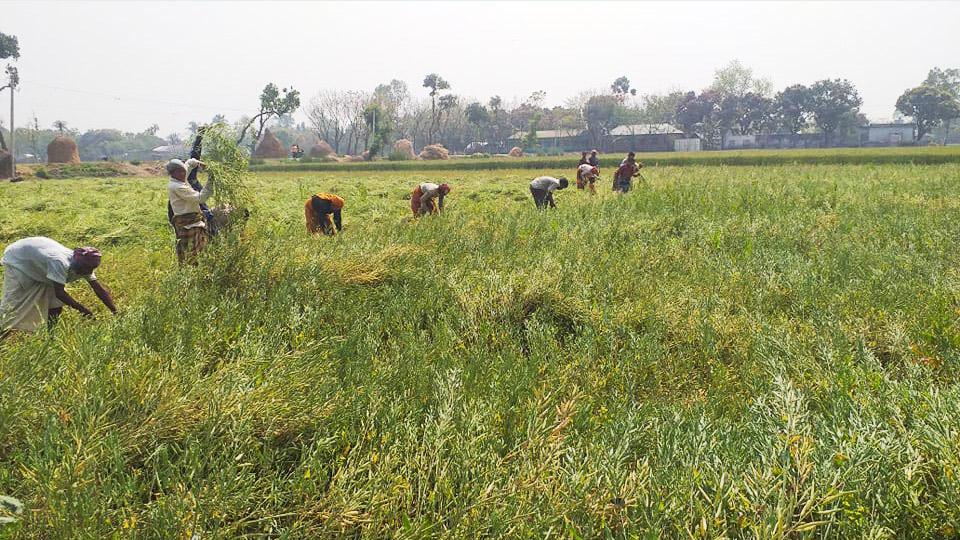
x: 516, y: 151
x: 321, y: 150
x: 62, y: 150
x: 404, y: 148
x: 353, y: 159
x: 269, y: 147
x: 434, y: 151
x: 5, y: 163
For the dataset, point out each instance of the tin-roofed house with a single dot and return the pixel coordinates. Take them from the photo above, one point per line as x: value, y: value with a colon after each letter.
x: 643, y: 138
x: 561, y: 140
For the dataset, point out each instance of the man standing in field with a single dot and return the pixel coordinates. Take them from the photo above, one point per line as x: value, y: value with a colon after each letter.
x: 594, y: 160
x: 628, y: 169
x: 427, y: 198
x: 542, y: 189
x: 36, y: 270
x: 318, y: 210
x: 587, y: 175
x: 189, y: 222
x: 195, y: 152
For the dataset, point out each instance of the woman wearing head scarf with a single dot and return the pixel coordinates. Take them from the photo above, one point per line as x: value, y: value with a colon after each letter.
x: 427, y: 198
x: 318, y: 211
x: 36, y: 269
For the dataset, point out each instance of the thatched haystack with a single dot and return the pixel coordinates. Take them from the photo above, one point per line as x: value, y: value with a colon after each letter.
x: 62, y: 150
x: 5, y: 164
x: 404, y: 148
x: 516, y: 151
x: 269, y: 147
x: 321, y: 150
x: 434, y: 151
x: 353, y: 159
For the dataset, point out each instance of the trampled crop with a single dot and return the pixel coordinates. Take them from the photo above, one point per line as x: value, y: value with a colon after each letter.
x: 748, y: 351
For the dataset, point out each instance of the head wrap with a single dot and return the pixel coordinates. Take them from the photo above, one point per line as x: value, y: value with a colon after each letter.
x: 175, y: 164
x: 87, y: 256
x: 444, y: 188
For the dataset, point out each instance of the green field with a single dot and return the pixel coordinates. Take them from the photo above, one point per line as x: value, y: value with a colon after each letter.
x: 926, y: 155
x: 756, y: 351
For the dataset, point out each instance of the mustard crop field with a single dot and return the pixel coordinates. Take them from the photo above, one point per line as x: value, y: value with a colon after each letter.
x: 754, y: 351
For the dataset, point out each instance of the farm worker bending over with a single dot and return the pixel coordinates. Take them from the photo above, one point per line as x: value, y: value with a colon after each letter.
x: 428, y: 198
x: 318, y: 210
x: 189, y: 222
x: 35, y: 272
x: 587, y: 175
x: 542, y: 189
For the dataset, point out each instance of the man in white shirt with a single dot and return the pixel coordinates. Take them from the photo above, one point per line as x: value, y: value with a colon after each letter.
x: 428, y: 198
x: 36, y: 270
x: 188, y: 221
x: 542, y: 189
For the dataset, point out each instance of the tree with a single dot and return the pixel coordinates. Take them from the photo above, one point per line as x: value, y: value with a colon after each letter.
x: 273, y: 102
x: 174, y: 139
x: 334, y: 114
x: 697, y: 114
x: 379, y: 124
x: 530, y: 140
x: 928, y: 106
x: 477, y: 116
x: 948, y: 80
x: 792, y: 108
x: 435, y: 83
x: 745, y: 115
x: 660, y: 108
x: 830, y: 100
x: 945, y: 79
x: 602, y: 114
x: 621, y: 88
x: 9, y: 47
x: 735, y: 79
x: 60, y: 126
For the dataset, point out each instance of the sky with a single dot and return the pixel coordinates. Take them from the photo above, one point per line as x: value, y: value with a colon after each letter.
x: 128, y: 65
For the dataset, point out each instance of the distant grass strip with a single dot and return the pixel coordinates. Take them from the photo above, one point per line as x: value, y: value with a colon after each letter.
x: 819, y: 156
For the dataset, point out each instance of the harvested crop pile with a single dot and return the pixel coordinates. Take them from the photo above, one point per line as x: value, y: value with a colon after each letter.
x: 404, y: 148
x: 62, y: 150
x: 434, y: 151
x: 269, y: 147
x: 516, y: 151
x: 321, y: 150
x: 228, y: 165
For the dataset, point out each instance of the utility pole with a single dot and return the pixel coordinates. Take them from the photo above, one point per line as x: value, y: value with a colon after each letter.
x: 14, y: 79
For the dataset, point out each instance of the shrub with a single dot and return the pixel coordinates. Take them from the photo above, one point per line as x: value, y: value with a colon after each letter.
x: 135, y: 162
x: 396, y: 155
x: 41, y: 172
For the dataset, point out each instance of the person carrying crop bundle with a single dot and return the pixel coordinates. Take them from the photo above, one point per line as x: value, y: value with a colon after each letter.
x: 189, y: 221
x: 195, y: 152
x: 542, y: 189
x: 36, y: 269
x: 318, y: 210
x: 587, y: 175
x: 427, y: 198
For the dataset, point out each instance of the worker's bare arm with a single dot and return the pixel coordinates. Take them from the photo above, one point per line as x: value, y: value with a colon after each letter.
x: 104, y: 295
x: 68, y: 300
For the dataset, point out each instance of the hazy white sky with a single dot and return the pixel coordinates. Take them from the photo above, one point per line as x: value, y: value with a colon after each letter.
x: 131, y: 64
